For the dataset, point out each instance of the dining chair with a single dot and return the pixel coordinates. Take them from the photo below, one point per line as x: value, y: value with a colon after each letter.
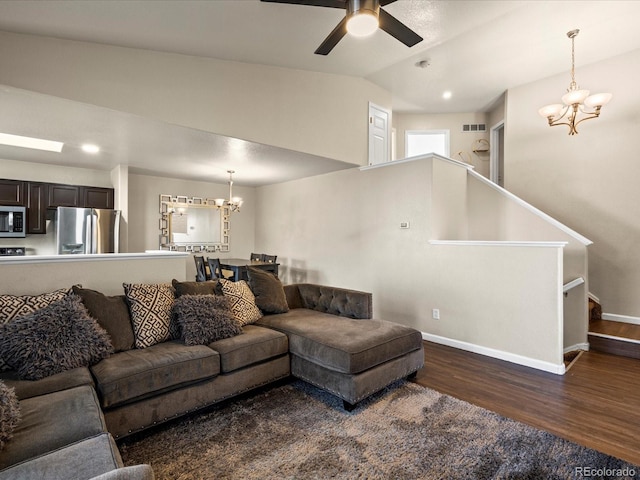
x: 269, y: 258
x: 216, y: 270
x: 257, y: 257
x: 201, y: 269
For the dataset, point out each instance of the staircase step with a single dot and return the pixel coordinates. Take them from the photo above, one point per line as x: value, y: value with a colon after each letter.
x: 621, y: 346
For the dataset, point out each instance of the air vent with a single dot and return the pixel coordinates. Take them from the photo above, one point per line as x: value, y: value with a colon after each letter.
x: 474, y: 127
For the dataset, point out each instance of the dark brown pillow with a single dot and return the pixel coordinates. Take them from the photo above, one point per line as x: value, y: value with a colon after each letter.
x: 56, y: 338
x: 210, y: 287
x: 204, y: 319
x: 268, y: 290
x: 112, y: 314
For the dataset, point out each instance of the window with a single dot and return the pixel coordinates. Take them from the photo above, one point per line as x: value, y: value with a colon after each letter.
x: 420, y: 142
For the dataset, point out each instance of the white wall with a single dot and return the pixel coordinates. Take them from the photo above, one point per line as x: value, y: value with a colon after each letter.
x: 316, y: 113
x: 460, y: 141
x: 588, y: 181
x: 343, y: 229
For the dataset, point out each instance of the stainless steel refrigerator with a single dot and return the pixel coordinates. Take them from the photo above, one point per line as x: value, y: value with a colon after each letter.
x: 87, y: 230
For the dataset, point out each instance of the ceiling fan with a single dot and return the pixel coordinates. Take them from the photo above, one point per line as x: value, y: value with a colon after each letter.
x: 362, y: 18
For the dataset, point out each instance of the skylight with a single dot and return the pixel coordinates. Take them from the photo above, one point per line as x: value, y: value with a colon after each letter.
x: 30, y: 142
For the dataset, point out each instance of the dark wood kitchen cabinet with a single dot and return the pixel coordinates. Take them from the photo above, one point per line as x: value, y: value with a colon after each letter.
x: 97, y: 197
x: 37, y: 207
x: 12, y: 192
x: 63, y: 196
x: 80, y: 196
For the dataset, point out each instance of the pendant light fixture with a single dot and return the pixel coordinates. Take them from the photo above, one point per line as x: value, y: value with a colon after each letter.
x: 577, y: 105
x: 233, y: 203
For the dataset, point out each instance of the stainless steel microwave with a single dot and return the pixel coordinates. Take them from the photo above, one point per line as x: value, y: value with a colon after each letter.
x: 13, y: 222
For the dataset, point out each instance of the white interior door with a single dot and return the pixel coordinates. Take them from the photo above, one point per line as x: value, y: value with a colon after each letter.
x: 379, y: 133
x: 496, y: 155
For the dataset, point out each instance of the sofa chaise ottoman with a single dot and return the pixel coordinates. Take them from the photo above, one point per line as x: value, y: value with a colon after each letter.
x: 336, y: 345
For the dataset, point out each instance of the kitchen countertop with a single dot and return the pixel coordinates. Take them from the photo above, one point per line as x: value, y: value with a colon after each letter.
x: 90, y: 257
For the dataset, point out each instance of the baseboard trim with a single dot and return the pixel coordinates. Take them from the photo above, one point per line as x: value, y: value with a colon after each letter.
x: 577, y: 346
x: 621, y: 318
x: 499, y: 354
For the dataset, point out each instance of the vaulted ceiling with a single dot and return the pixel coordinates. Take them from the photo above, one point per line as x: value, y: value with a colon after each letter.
x: 474, y: 49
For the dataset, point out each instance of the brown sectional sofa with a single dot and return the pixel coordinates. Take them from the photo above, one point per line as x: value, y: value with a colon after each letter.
x: 326, y: 338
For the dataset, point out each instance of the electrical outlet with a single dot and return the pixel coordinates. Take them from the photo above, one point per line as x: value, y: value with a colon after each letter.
x: 436, y: 314
x: 405, y: 225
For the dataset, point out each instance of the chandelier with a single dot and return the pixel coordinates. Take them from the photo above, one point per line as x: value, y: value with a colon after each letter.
x: 577, y: 105
x: 233, y: 203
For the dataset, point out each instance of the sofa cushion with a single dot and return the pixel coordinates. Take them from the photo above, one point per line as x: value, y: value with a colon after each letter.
x: 254, y: 345
x: 210, y: 287
x: 59, y: 337
x: 268, y: 290
x: 139, y: 373
x: 204, y: 319
x: 53, y: 383
x: 81, y: 460
x: 343, y: 344
x: 52, y: 421
x: 150, y: 306
x: 112, y: 314
x: 9, y: 413
x: 242, y: 301
x: 14, y: 306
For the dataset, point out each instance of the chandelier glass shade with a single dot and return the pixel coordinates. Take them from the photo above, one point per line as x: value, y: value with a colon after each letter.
x: 577, y: 104
x: 233, y: 203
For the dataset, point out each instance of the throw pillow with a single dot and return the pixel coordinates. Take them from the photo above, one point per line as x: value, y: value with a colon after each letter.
x: 204, y: 319
x: 150, y: 306
x: 268, y: 290
x: 59, y: 337
x: 242, y: 302
x: 112, y: 314
x: 15, y: 306
x: 9, y: 413
x: 210, y: 287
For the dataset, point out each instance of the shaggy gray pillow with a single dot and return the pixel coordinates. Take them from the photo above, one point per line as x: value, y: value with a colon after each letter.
x: 9, y: 413
x: 56, y: 338
x: 204, y: 319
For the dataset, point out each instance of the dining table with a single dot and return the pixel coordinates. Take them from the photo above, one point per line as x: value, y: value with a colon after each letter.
x: 239, y: 267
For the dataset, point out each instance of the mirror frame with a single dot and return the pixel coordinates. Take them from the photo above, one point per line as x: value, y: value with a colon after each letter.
x: 169, y: 204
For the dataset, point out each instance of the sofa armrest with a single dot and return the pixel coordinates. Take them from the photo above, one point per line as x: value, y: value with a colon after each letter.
x: 333, y: 300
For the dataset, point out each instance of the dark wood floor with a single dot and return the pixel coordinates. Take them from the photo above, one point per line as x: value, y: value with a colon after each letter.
x: 596, y: 403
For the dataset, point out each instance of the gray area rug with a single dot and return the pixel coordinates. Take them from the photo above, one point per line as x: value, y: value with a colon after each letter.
x: 296, y: 431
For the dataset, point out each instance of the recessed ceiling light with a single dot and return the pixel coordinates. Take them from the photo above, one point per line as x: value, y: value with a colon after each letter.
x: 446, y: 95
x: 30, y: 142
x: 90, y: 148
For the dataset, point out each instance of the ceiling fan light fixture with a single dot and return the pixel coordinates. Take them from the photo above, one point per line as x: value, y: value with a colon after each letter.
x: 362, y: 24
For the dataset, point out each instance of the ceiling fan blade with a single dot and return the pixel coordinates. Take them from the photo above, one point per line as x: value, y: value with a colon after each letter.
x: 334, y: 37
x: 386, y: 2
x: 313, y: 3
x: 398, y: 30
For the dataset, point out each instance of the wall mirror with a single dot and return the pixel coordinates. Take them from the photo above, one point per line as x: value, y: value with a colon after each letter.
x: 192, y: 224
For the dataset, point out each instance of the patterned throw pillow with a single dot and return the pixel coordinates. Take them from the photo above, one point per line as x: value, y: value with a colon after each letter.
x: 242, y: 302
x: 150, y: 306
x: 205, y: 318
x: 15, y: 306
x: 9, y: 413
x: 56, y: 338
